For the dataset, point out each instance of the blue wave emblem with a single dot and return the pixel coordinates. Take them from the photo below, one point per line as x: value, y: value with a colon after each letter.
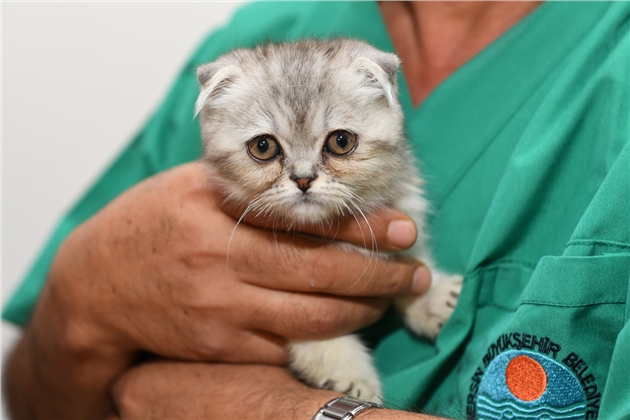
x: 528, y: 385
x: 488, y: 409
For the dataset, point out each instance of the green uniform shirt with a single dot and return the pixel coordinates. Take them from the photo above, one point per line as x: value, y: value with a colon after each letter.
x: 526, y: 154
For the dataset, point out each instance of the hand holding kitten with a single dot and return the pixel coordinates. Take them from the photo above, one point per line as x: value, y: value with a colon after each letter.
x: 172, y: 293
x: 307, y: 133
x: 148, y: 273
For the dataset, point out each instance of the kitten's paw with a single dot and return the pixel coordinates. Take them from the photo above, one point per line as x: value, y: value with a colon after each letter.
x: 426, y: 314
x: 341, y: 364
x: 366, y: 388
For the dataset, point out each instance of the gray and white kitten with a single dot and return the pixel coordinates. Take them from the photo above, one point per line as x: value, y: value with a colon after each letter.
x: 309, y: 131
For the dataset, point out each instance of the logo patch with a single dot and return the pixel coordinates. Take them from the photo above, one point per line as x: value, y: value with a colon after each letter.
x: 523, y: 384
x: 517, y: 382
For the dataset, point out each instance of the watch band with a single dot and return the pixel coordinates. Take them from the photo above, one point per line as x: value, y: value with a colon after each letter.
x: 343, y: 408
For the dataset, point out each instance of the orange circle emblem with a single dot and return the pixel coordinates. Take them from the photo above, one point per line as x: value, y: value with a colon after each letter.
x: 525, y: 378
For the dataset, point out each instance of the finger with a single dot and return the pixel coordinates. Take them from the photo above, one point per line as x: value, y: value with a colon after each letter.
x: 384, y: 229
x: 258, y: 346
x: 310, y: 316
x: 247, y: 343
x: 300, y: 264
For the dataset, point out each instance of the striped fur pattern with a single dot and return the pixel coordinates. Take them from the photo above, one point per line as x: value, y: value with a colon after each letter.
x: 298, y: 94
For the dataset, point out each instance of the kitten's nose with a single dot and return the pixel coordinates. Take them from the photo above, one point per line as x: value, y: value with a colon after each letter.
x: 304, y: 183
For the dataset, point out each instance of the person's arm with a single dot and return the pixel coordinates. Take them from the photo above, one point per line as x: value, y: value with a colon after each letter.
x: 150, y: 272
x: 177, y: 390
x: 49, y: 376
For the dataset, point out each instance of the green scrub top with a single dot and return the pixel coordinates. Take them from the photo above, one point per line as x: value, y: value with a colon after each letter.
x: 526, y: 154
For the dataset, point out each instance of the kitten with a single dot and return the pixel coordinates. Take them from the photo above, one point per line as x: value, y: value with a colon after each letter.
x: 309, y: 131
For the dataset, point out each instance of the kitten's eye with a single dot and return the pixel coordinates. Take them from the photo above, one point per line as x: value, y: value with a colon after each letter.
x: 263, y: 148
x: 341, y: 142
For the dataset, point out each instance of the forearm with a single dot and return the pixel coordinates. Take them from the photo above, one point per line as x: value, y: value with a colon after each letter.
x: 53, y: 375
x: 148, y: 274
x: 314, y: 399
x: 170, y: 389
x: 395, y: 415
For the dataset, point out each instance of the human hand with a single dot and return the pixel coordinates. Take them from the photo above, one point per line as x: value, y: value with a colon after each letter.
x: 151, y: 272
x: 178, y: 390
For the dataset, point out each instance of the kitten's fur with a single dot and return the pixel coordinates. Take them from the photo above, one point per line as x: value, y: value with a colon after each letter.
x: 299, y: 93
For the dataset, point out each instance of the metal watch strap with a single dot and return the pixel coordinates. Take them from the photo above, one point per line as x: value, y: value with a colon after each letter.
x: 343, y: 408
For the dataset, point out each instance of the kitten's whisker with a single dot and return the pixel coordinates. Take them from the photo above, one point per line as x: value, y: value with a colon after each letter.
x: 354, y: 195
x: 274, y: 230
x: 351, y: 194
x: 289, y: 229
x: 329, y: 222
x: 338, y: 226
x: 320, y: 225
x: 372, y: 236
x: 374, y: 248
x: 252, y: 204
x: 364, y: 247
x: 338, y: 214
x: 264, y: 209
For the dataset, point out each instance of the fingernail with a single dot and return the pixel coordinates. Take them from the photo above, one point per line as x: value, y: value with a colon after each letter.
x: 401, y: 233
x: 421, y: 280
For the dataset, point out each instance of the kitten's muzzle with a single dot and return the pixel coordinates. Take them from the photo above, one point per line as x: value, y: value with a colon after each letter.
x: 304, y: 183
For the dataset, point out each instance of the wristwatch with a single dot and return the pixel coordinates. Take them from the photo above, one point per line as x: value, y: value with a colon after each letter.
x: 343, y: 408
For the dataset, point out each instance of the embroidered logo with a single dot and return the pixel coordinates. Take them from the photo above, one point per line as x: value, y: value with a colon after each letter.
x: 524, y: 377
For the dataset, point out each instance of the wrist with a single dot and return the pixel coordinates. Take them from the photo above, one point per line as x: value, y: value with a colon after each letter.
x: 310, y: 406
x: 344, y: 408
x: 294, y: 401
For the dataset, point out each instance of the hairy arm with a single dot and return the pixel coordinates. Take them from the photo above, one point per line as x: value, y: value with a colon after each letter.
x: 170, y: 389
x: 148, y: 274
x: 51, y: 375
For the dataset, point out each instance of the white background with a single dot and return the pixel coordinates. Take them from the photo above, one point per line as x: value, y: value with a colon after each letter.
x: 78, y: 80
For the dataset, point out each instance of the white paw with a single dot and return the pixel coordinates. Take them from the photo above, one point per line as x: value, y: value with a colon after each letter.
x: 426, y: 314
x: 341, y: 364
x: 367, y: 389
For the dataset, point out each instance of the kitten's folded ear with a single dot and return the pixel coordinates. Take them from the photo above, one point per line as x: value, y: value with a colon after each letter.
x: 378, y: 74
x: 213, y: 78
